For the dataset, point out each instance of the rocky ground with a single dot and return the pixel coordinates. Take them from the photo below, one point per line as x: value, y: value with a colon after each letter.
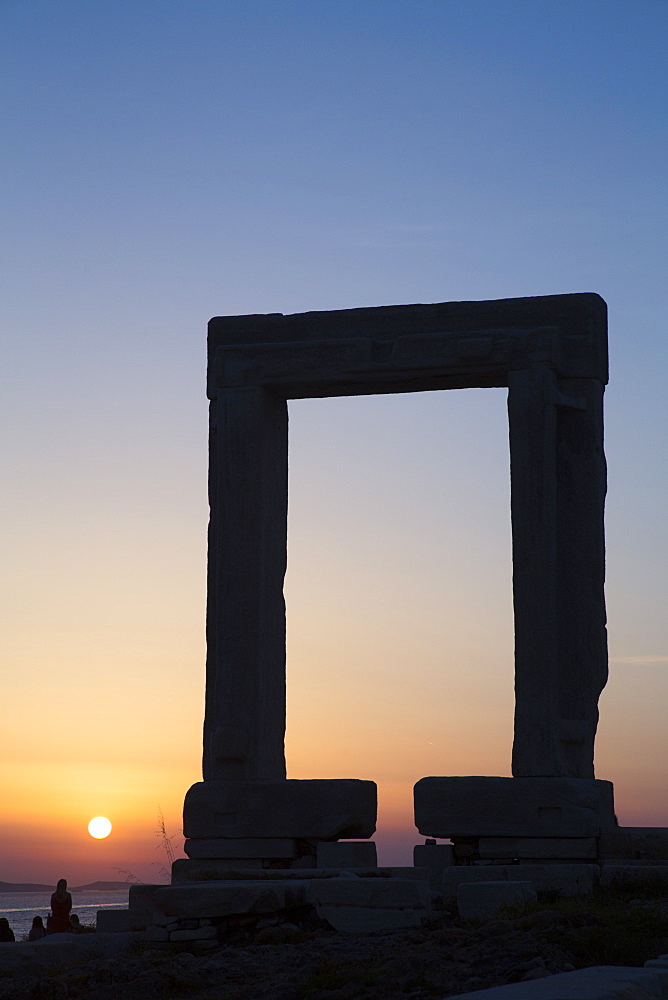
x: 441, y: 959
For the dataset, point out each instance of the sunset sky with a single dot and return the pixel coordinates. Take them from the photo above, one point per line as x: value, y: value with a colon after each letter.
x: 165, y: 161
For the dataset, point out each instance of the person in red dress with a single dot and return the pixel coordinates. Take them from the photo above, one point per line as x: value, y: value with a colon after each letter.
x: 61, y: 904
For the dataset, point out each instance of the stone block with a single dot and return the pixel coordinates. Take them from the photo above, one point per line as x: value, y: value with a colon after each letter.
x: 420, y: 873
x: 219, y: 899
x: 433, y: 856
x: 584, y: 848
x: 566, y: 880
x: 369, y: 920
x: 60, y: 951
x: 657, y: 963
x: 599, y: 982
x: 577, y: 879
x: 208, y: 869
x: 384, y: 893
x: 140, y: 902
x: 640, y: 843
x: 638, y: 877
x: 451, y: 878
x: 186, y: 871
x: 303, y: 861
x: 512, y: 807
x: 113, y: 921
x: 483, y: 900
x: 156, y: 933
x: 346, y: 854
x: 311, y: 809
x: 248, y: 848
x: 24, y: 958
x: 195, y: 934
x: 367, y: 905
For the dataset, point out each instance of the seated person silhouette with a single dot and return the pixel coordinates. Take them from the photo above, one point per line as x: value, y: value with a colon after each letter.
x: 38, y: 930
x: 6, y: 933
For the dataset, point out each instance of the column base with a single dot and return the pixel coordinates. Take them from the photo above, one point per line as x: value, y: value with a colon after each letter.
x: 537, y: 808
x: 226, y: 817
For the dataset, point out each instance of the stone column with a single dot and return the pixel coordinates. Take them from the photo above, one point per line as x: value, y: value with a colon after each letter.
x: 557, y: 498
x: 582, y: 634
x: 244, y: 723
x: 532, y: 427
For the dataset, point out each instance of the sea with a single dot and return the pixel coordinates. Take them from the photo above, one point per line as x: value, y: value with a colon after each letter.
x: 21, y: 907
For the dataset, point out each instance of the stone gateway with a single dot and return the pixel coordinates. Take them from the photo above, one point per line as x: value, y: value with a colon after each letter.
x: 551, y: 354
x: 262, y: 847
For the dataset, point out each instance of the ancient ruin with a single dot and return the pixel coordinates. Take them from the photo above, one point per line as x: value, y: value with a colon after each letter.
x: 551, y: 825
x: 551, y: 353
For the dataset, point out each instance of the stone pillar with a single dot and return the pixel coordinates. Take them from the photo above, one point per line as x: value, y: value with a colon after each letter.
x: 244, y: 723
x: 582, y: 634
x: 246, y: 814
x: 557, y: 498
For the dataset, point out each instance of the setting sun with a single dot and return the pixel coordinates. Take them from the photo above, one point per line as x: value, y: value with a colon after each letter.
x: 99, y: 827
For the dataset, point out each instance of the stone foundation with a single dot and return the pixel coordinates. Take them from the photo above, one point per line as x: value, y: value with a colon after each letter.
x: 202, y: 912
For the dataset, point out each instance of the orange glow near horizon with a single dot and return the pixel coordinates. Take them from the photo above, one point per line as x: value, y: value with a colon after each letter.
x: 400, y: 653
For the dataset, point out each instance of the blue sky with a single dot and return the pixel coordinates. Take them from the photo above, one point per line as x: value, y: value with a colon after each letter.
x: 168, y: 161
